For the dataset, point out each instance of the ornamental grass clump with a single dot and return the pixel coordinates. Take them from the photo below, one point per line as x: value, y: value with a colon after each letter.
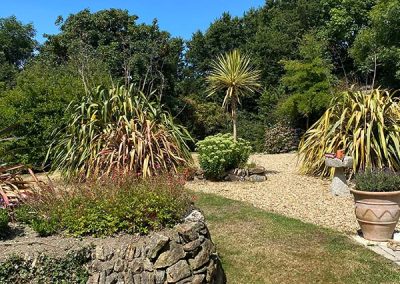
x: 378, y: 181
x: 120, y: 130
x: 220, y: 153
x: 366, y: 124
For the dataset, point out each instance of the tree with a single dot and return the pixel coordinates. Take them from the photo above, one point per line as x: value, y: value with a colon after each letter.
x: 233, y: 74
x: 308, y: 80
x: 376, y: 49
x: 17, y: 45
x: 134, y: 53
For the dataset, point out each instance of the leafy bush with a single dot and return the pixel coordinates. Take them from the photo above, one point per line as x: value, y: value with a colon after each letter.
x: 119, y: 130
x: 118, y: 204
x: 70, y: 269
x: 4, y: 219
x: 251, y: 128
x: 377, y: 181
x: 220, y: 153
x: 366, y: 124
x: 281, y: 138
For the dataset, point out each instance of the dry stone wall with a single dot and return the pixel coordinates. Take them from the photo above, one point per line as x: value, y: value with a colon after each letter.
x: 184, y: 254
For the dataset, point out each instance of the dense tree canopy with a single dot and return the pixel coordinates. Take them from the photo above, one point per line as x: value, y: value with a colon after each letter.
x: 306, y: 50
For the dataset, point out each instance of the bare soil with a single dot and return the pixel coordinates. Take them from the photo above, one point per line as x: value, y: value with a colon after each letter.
x: 288, y: 193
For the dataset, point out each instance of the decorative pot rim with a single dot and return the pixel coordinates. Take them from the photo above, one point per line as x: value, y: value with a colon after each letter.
x: 378, y: 193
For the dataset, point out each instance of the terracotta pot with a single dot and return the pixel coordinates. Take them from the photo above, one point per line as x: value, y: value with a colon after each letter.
x: 377, y: 213
x: 340, y: 154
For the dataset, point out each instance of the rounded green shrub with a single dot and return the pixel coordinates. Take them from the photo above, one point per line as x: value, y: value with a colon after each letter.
x: 220, y: 153
x: 378, y: 181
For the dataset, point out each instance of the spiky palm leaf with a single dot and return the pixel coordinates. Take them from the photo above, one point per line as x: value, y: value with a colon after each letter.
x: 119, y: 130
x: 365, y: 124
x: 233, y: 74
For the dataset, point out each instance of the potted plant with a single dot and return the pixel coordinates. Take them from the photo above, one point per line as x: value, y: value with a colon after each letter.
x: 377, y: 203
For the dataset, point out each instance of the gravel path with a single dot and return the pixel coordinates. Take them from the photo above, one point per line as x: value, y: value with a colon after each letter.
x: 288, y: 193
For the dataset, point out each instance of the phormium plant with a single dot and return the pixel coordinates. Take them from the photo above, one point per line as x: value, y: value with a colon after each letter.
x: 119, y: 129
x: 366, y: 124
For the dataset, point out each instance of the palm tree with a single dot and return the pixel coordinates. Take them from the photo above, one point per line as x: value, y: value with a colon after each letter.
x: 233, y: 74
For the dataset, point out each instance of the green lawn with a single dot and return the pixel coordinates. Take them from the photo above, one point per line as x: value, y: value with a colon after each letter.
x: 261, y: 247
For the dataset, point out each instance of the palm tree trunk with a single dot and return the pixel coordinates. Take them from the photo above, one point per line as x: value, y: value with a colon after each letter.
x: 234, y: 118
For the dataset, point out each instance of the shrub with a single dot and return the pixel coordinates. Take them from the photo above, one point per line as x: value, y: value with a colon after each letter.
x: 281, y: 138
x: 70, y: 269
x: 119, y: 130
x: 4, y: 219
x: 377, y: 181
x: 366, y: 124
x: 220, y: 153
x: 111, y: 205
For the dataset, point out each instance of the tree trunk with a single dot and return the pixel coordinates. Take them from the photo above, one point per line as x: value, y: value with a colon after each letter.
x: 234, y: 118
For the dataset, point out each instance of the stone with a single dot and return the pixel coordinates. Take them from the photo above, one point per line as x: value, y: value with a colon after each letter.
x: 94, y: 279
x: 170, y: 257
x: 195, y: 216
x: 136, y: 266
x: 128, y: 277
x: 189, y: 231
x: 192, y: 245
x: 102, y: 279
x: 186, y: 280
x: 122, y: 251
x: 112, y: 278
x: 178, y: 271
x: 339, y: 185
x: 147, y: 265
x: 147, y: 277
x: 137, y: 279
x: 207, y: 248
x: 160, y: 276
x: 211, y: 269
x: 232, y: 177
x: 257, y: 178
x: 119, y: 265
x: 257, y: 171
x: 157, y: 242
x: 99, y: 253
x: 130, y: 255
x: 138, y: 252
x: 198, y: 279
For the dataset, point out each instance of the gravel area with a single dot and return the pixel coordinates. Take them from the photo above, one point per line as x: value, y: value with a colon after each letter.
x: 288, y: 193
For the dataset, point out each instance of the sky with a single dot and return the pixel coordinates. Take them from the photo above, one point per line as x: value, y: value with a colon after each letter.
x: 179, y: 17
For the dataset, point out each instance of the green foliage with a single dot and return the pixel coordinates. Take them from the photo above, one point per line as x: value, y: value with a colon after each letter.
x: 220, y: 153
x: 134, y: 53
x: 111, y: 205
x: 251, y: 128
x: 377, y: 181
x: 119, y: 130
x: 308, y: 80
x: 34, y: 109
x: 366, y: 124
x: 281, y: 138
x: 17, y: 45
x: 4, y: 219
x: 376, y: 50
x: 70, y: 269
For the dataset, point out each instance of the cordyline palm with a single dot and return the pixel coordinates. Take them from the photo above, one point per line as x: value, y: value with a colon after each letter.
x: 233, y: 74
